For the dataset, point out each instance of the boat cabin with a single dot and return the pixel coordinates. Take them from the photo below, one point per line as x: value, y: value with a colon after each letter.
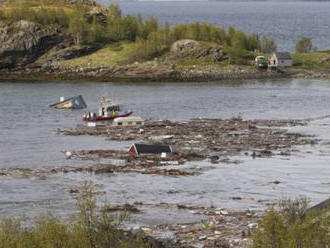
x: 107, y: 108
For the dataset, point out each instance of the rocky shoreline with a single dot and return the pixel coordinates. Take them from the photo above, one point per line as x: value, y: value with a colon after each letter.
x: 152, y: 71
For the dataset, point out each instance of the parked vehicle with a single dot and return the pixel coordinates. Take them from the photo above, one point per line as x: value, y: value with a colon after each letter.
x: 261, y: 62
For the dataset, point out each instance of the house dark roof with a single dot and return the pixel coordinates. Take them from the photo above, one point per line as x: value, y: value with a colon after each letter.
x: 143, y: 148
x: 283, y: 55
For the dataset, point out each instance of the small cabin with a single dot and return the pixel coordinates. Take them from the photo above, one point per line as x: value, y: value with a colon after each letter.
x: 128, y: 121
x: 281, y: 59
x: 144, y: 148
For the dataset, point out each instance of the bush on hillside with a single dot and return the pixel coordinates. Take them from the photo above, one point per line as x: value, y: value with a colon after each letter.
x: 89, y: 228
x: 293, y: 226
x: 304, y: 45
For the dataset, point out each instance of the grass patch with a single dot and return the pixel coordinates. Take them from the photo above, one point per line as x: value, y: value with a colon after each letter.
x: 37, y: 4
x: 317, y: 60
x: 190, y: 63
x: 110, y: 55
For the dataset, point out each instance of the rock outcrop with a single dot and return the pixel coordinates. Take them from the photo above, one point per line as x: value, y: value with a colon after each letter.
x: 186, y: 47
x: 23, y: 42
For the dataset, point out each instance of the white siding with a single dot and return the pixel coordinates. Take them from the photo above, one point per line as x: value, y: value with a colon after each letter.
x: 280, y: 62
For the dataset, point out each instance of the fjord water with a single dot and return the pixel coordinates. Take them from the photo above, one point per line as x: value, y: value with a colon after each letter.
x: 285, y: 21
x: 28, y: 139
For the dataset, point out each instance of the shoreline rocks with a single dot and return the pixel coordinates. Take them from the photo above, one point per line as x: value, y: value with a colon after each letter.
x: 147, y: 72
x: 150, y: 71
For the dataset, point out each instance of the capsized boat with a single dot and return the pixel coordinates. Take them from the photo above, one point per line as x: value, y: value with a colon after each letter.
x: 75, y: 102
x: 107, y: 111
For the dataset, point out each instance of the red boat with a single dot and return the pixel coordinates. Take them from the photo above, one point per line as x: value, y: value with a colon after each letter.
x: 92, y: 117
x: 107, y: 111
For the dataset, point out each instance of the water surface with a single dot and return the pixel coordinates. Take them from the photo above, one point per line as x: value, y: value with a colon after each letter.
x: 28, y: 139
x: 285, y: 21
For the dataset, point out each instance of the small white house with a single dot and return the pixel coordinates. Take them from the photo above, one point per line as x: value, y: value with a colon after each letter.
x: 128, y: 121
x: 282, y: 59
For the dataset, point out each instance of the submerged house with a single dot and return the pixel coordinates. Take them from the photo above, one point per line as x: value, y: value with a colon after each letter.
x: 144, y: 148
x: 281, y: 59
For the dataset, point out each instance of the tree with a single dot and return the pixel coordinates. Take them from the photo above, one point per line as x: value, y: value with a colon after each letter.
x: 267, y: 45
x: 147, y: 27
x: 114, y: 12
x: 78, y: 26
x: 95, y: 33
x: 239, y: 40
x: 178, y: 32
x: 304, y: 45
x: 166, y: 33
x: 230, y: 35
x: 194, y: 31
x: 129, y: 28
x: 254, y: 42
x: 218, y: 34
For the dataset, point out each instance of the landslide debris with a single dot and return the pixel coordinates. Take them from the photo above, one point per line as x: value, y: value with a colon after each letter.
x: 215, y: 140
x: 206, y: 136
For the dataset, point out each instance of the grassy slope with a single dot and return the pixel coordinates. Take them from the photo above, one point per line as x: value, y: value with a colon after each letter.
x: 109, y: 55
x: 39, y: 5
x: 317, y: 60
x: 119, y: 53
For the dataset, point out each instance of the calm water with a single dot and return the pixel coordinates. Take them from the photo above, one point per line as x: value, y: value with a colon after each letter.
x: 28, y: 139
x: 285, y: 22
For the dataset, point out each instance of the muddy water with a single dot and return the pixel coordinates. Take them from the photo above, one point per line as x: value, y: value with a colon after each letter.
x: 28, y: 139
